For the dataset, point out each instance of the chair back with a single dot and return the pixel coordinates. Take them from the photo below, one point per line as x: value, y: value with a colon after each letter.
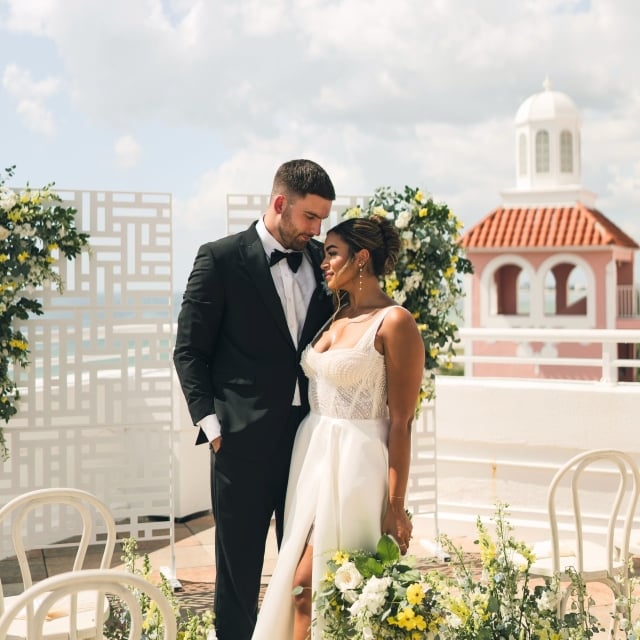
x: 618, y: 473
x: 60, y: 596
x: 94, y: 515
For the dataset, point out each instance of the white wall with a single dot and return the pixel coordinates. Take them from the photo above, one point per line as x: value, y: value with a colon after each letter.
x: 503, y: 440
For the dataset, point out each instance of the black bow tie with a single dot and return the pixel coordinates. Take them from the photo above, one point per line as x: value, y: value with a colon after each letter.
x: 294, y: 258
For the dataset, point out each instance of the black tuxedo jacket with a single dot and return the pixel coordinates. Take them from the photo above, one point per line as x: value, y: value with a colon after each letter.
x: 234, y: 354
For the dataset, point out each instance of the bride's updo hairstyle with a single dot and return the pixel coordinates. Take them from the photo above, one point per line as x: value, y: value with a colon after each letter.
x: 376, y: 234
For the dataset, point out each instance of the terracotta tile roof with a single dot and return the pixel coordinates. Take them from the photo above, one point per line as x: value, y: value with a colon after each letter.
x: 573, y: 226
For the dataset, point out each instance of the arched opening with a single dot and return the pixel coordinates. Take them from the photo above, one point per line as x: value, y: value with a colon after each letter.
x: 522, y: 154
x: 511, y: 291
x: 542, y: 152
x: 566, y: 152
x: 565, y: 290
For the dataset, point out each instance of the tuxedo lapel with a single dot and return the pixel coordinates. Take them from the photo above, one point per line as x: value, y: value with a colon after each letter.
x: 255, y: 262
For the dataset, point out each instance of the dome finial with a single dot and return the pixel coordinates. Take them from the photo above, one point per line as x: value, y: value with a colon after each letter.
x: 546, y: 84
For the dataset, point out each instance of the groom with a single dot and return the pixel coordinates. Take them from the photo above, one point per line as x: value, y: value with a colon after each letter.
x: 253, y: 301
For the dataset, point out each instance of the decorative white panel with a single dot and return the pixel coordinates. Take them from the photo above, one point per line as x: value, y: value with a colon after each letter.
x: 96, y: 411
x: 422, y: 496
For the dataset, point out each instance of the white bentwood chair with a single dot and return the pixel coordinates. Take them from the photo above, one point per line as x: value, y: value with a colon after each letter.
x: 93, y: 515
x: 596, y: 554
x: 36, y: 612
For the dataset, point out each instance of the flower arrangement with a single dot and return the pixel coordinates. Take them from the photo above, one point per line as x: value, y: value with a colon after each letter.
x: 190, y: 626
x: 379, y: 595
x: 503, y: 602
x: 376, y: 596
x: 427, y: 276
x: 35, y: 231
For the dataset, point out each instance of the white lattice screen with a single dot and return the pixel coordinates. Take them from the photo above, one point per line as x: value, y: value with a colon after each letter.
x: 96, y: 409
x: 423, y: 494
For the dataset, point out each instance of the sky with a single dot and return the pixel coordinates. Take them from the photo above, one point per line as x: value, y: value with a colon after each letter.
x: 204, y: 98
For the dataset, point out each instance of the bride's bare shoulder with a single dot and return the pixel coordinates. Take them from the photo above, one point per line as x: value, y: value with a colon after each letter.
x: 398, y: 319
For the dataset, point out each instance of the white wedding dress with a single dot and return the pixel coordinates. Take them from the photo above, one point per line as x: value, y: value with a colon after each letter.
x: 339, y: 471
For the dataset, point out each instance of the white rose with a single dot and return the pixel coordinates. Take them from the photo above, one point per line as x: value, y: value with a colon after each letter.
x: 404, y: 217
x: 8, y: 199
x: 348, y: 577
x: 399, y: 296
x: 4, y: 233
x: 547, y: 601
x: 373, y: 596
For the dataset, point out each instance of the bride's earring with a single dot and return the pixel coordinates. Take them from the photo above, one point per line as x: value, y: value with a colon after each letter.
x: 360, y: 278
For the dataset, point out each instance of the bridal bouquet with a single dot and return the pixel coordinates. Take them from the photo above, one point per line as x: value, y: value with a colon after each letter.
x: 377, y: 596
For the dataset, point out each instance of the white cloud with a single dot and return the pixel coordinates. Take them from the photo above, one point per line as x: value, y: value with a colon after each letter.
x: 30, y: 97
x: 419, y: 92
x: 127, y: 151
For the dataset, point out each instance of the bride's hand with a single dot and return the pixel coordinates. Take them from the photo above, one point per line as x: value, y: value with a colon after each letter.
x: 397, y: 524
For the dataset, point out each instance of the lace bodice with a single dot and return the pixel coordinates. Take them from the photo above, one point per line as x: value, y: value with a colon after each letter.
x: 348, y: 382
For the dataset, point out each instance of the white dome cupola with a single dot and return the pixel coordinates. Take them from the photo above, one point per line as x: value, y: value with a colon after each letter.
x: 548, y: 162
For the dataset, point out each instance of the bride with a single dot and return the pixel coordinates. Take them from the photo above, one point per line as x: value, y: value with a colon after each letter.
x: 350, y: 463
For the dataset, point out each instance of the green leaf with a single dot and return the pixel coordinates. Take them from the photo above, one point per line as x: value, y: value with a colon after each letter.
x: 387, y: 549
x: 369, y: 566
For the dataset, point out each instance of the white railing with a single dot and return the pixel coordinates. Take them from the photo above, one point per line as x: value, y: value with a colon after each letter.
x: 502, y: 438
x: 608, y: 360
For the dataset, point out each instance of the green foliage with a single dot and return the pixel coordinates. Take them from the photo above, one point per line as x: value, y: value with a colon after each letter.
x: 190, y: 626
x: 35, y: 231
x: 383, y: 596
x: 427, y: 279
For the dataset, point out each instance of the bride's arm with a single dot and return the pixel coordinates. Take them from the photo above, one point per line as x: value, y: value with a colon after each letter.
x: 404, y: 360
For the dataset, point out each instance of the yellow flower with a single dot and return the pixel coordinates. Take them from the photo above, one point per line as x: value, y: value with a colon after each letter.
x: 422, y: 327
x: 415, y: 593
x: 340, y: 557
x: 3, y: 257
x: 419, y: 196
x: 434, y: 292
x: 151, y: 613
x: 423, y: 213
x: 53, y: 246
x: 15, y: 215
x: 25, y: 197
x: 459, y: 224
x: 354, y: 212
x: 22, y: 257
x: 391, y: 283
x: 380, y: 211
x: 434, y: 351
x: 449, y: 272
x: 18, y: 344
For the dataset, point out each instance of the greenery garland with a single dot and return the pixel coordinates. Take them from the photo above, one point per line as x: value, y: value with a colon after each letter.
x: 427, y: 279
x: 35, y: 231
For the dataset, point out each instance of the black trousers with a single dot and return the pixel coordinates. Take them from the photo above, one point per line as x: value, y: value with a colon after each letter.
x: 245, y: 493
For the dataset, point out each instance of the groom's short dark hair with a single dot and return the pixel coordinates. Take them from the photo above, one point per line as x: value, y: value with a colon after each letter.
x: 301, y: 178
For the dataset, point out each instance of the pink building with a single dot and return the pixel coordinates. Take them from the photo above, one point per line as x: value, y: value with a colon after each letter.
x: 547, y: 258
